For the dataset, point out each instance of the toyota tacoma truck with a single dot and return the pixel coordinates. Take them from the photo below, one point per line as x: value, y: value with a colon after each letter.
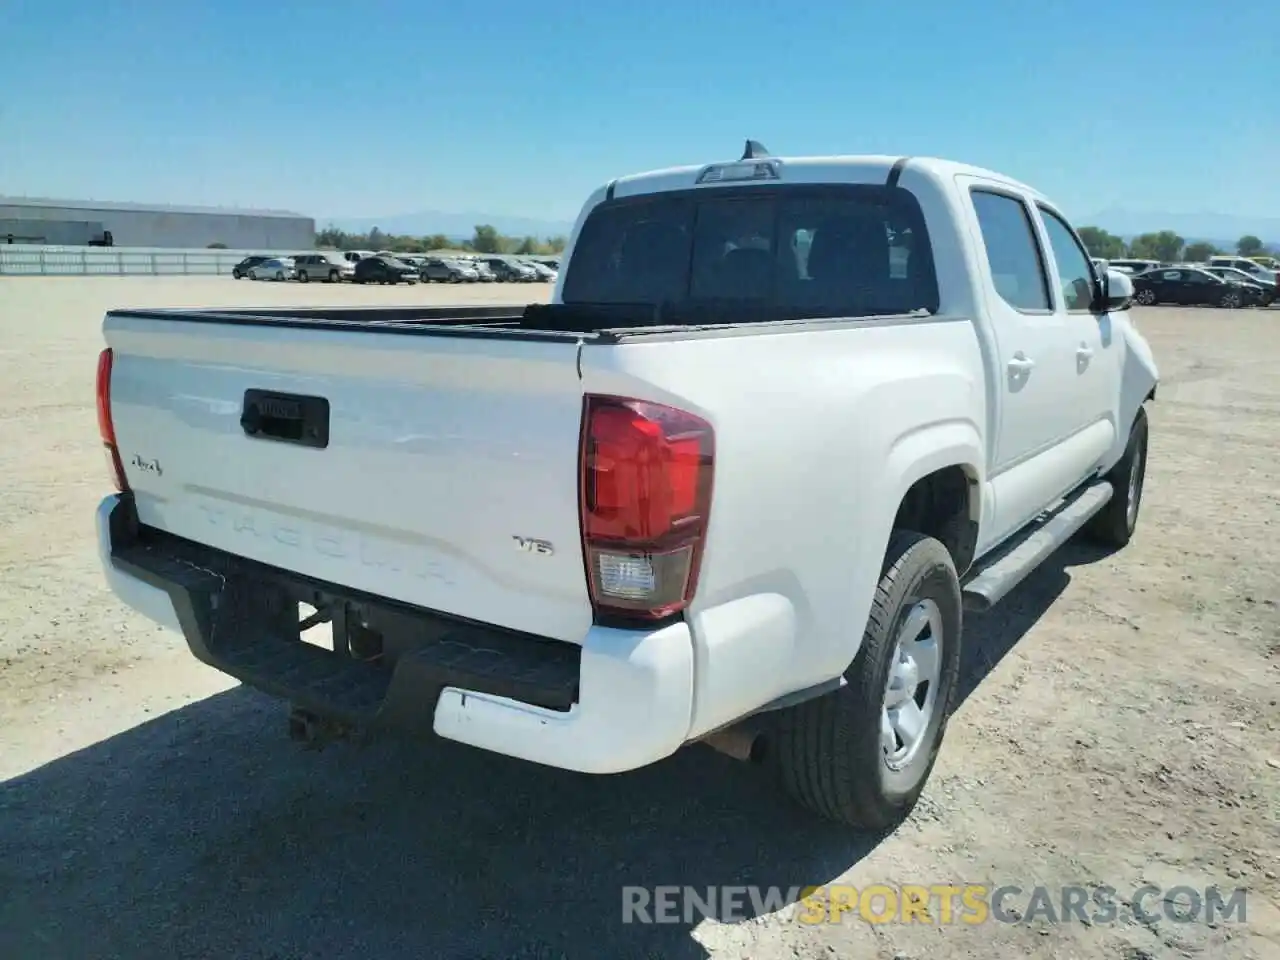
x: 783, y: 421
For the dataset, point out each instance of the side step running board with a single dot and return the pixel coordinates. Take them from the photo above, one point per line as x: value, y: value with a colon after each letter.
x: 994, y: 577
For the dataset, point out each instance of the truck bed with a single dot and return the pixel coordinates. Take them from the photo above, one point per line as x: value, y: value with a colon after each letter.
x: 603, y: 324
x: 391, y: 319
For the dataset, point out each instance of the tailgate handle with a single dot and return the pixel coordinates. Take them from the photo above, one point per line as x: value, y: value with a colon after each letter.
x: 286, y: 417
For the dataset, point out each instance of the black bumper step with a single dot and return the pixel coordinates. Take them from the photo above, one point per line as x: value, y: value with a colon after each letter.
x: 241, y: 617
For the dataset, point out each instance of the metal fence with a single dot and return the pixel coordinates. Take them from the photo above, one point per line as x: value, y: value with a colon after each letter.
x: 30, y: 260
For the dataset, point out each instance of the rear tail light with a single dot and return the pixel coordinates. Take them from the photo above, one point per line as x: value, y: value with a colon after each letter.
x: 106, y: 428
x: 645, y: 495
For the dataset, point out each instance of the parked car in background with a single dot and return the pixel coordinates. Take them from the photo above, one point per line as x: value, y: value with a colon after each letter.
x: 1266, y: 288
x: 545, y: 273
x: 448, y: 270
x: 415, y: 260
x: 1126, y: 265
x: 1245, y: 264
x: 1271, y: 263
x: 277, y: 268
x: 484, y: 273
x: 326, y: 265
x: 1187, y: 285
x: 241, y: 269
x: 383, y: 269
x: 510, y: 271
x: 355, y: 256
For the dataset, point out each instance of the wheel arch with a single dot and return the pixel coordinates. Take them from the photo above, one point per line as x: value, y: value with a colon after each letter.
x: 939, y: 478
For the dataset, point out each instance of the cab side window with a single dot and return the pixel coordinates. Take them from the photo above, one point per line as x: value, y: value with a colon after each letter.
x: 1013, y: 251
x: 1075, y: 273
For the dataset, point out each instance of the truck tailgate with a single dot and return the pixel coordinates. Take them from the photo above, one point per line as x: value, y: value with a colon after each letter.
x: 449, y: 479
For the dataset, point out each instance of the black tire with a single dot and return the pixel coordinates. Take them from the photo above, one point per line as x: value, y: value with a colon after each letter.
x: 1114, y: 524
x: 1232, y: 301
x: 302, y: 276
x: 237, y: 275
x: 1145, y: 298
x: 828, y: 752
x: 334, y: 277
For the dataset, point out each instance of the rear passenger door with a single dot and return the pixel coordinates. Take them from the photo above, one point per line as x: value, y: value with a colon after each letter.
x: 1034, y: 374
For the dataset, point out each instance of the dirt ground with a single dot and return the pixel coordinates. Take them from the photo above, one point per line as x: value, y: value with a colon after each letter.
x: 1120, y: 727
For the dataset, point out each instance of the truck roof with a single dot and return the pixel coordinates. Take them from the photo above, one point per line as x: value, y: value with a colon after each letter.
x: 868, y: 168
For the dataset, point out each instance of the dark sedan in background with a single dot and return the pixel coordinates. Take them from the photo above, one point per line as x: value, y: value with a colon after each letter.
x: 1266, y: 288
x: 1189, y: 285
x: 383, y: 269
x: 241, y: 269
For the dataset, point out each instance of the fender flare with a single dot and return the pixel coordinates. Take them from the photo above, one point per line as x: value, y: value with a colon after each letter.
x: 927, y: 449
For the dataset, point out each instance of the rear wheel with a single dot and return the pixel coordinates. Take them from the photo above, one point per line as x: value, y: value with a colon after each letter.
x: 302, y: 276
x: 861, y: 754
x: 280, y: 275
x: 334, y: 277
x: 1231, y: 301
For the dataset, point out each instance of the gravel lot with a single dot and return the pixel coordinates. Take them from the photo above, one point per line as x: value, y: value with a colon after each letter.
x: 1120, y: 727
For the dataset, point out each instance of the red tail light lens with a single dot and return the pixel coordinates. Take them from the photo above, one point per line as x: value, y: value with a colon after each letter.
x: 106, y: 428
x: 645, y: 498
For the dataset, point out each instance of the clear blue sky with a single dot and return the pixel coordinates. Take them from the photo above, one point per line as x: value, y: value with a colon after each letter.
x: 351, y: 109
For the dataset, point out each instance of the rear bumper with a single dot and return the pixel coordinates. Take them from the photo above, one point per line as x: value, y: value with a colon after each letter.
x: 621, y: 701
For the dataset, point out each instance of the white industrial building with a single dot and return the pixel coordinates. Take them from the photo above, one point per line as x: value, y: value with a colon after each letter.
x: 79, y: 222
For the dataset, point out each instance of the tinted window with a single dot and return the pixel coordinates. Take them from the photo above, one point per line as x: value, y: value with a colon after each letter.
x: 1013, y: 253
x: 1075, y: 276
x: 1171, y: 275
x: 774, y: 252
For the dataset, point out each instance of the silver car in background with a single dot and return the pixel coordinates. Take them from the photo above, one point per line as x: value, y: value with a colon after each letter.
x: 277, y: 268
x: 544, y: 272
x: 325, y: 265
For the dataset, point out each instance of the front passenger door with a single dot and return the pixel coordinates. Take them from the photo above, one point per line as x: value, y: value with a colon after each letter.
x: 1098, y: 354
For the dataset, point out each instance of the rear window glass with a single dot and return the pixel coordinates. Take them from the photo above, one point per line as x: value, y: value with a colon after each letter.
x: 777, y: 252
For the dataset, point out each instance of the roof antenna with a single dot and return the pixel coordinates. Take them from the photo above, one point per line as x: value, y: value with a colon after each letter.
x: 755, y: 150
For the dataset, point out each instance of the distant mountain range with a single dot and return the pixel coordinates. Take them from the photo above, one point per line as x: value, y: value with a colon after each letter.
x: 1221, y: 229
x: 453, y: 225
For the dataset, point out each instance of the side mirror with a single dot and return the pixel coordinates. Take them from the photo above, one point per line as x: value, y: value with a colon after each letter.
x: 1117, y: 291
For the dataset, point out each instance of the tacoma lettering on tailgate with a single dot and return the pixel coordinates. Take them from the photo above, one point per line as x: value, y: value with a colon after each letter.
x: 329, y: 542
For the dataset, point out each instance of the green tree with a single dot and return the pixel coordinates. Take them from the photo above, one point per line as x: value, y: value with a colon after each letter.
x: 529, y: 245
x: 557, y: 244
x: 1165, y: 245
x: 1199, y: 252
x: 377, y: 240
x: 437, y: 241
x: 1102, y: 244
x: 486, y: 239
x: 332, y: 237
x: 1249, y: 246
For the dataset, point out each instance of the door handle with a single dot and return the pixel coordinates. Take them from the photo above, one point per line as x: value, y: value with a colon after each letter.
x: 1021, y: 363
x: 1085, y: 352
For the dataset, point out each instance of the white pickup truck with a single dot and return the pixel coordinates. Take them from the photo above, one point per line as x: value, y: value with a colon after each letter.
x: 783, y: 419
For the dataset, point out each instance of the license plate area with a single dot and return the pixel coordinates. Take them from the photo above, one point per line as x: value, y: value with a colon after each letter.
x: 286, y: 418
